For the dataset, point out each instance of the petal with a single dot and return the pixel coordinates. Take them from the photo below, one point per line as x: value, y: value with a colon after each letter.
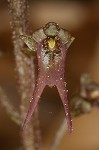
x: 34, y: 101
x: 65, y: 37
x: 39, y: 35
x: 61, y: 86
x: 28, y: 40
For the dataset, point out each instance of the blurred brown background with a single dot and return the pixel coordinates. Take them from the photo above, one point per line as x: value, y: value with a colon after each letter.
x: 81, y: 18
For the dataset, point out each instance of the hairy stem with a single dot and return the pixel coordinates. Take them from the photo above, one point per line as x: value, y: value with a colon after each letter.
x: 24, y: 66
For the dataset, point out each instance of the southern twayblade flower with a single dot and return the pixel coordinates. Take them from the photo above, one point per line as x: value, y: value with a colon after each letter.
x: 51, y: 44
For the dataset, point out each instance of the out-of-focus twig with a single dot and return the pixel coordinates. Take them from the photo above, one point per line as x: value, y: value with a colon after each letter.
x: 9, y: 108
x: 59, y: 134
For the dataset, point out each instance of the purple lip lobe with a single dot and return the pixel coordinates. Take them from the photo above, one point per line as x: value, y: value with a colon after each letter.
x: 51, y: 55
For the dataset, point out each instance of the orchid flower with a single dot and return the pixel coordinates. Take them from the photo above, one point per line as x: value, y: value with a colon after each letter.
x: 50, y: 44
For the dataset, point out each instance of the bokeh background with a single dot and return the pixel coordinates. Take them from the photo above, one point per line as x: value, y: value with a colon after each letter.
x: 81, y: 18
